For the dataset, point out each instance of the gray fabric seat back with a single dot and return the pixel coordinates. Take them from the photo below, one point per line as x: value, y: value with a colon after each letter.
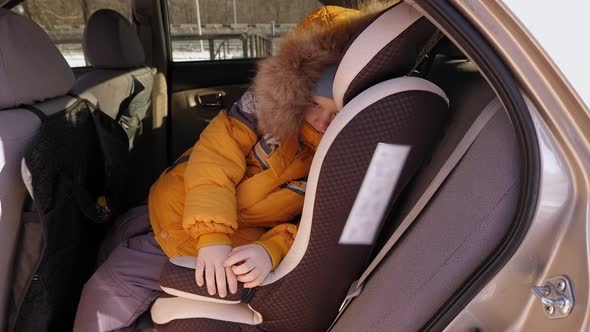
x: 31, y: 73
x: 459, y: 228
x: 123, y: 86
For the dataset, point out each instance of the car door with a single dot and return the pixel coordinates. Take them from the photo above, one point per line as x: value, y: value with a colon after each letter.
x: 198, y: 92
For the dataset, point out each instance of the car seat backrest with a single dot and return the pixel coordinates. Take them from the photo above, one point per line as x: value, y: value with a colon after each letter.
x: 110, y: 42
x: 32, y: 72
x: 460, y: 227
x: 124, y: 87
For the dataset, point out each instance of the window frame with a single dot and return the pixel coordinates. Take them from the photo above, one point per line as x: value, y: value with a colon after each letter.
x: 169, y: 39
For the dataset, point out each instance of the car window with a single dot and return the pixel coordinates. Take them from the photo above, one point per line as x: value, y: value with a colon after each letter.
x: 204, y: 30
x: 64, y: 21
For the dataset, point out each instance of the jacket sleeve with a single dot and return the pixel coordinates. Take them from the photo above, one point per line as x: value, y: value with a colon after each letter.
x: 278, y: 241
x: 215, y: 167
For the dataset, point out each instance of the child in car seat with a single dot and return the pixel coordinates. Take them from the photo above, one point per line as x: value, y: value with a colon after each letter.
x: 240, y: 190
x: 230, y: 199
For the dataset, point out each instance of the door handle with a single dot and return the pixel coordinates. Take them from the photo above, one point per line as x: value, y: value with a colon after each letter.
x: 211, y: 99
x: 205, y: 98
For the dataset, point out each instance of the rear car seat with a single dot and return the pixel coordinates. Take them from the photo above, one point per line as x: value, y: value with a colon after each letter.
x: 460, y: 227
x: 34, y: 81
x: 304, y: 292
x: 128, y: 91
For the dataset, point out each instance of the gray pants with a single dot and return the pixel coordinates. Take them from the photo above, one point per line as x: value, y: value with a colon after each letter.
x: 127, y: 282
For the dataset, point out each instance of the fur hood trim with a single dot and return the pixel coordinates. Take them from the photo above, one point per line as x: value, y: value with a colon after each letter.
x: 284, y: 82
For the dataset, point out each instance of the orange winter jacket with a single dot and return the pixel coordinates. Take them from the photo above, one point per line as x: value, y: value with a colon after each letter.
x: 231, y: 180
x: 235, y: 186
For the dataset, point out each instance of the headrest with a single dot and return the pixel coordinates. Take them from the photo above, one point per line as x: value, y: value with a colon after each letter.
x: 387, y: 48
x: 110, y: 42
x: 31, y: 68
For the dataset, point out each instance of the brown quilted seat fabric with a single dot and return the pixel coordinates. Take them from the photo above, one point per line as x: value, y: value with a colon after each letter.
x: 307, y: 299
x: 204, y: 325
x: 394, y: 60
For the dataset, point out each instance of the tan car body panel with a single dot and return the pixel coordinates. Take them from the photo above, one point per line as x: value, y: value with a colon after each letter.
x: 557, y: 241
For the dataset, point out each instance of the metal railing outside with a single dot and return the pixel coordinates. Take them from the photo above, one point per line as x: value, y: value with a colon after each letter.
x: 191, y: 47
x: 225, y: 46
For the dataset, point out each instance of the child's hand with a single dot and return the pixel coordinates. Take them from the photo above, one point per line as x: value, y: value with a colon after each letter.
x: 255, y: 264
x: 210, y: 261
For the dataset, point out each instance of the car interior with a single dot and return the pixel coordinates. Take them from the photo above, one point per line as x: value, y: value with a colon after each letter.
x: 409, y: 86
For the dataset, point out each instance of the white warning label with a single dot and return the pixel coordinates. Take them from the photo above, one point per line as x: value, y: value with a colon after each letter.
x: 373, y: 197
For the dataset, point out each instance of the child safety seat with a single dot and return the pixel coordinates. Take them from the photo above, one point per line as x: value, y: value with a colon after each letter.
x: 378, y: 106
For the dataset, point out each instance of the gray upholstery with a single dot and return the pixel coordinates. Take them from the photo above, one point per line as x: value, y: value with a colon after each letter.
x: 31, y: 68
x: 460, y: 227
x: 16, y: 130
x: 110, y: 42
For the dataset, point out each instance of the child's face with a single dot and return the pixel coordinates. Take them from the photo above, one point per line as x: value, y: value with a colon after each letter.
x: 321, y: 112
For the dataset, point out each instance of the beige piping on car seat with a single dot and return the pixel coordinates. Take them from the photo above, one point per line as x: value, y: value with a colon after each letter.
x: 381, y: 32
x: 166, y: 310
x: 446, y: 169
x: 192, y: 296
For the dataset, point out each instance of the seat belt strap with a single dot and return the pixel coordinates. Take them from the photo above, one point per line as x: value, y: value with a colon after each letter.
x: 73, y: 95
x: 39, y: 113
x: 446, y: 169
x: 425, y: 51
